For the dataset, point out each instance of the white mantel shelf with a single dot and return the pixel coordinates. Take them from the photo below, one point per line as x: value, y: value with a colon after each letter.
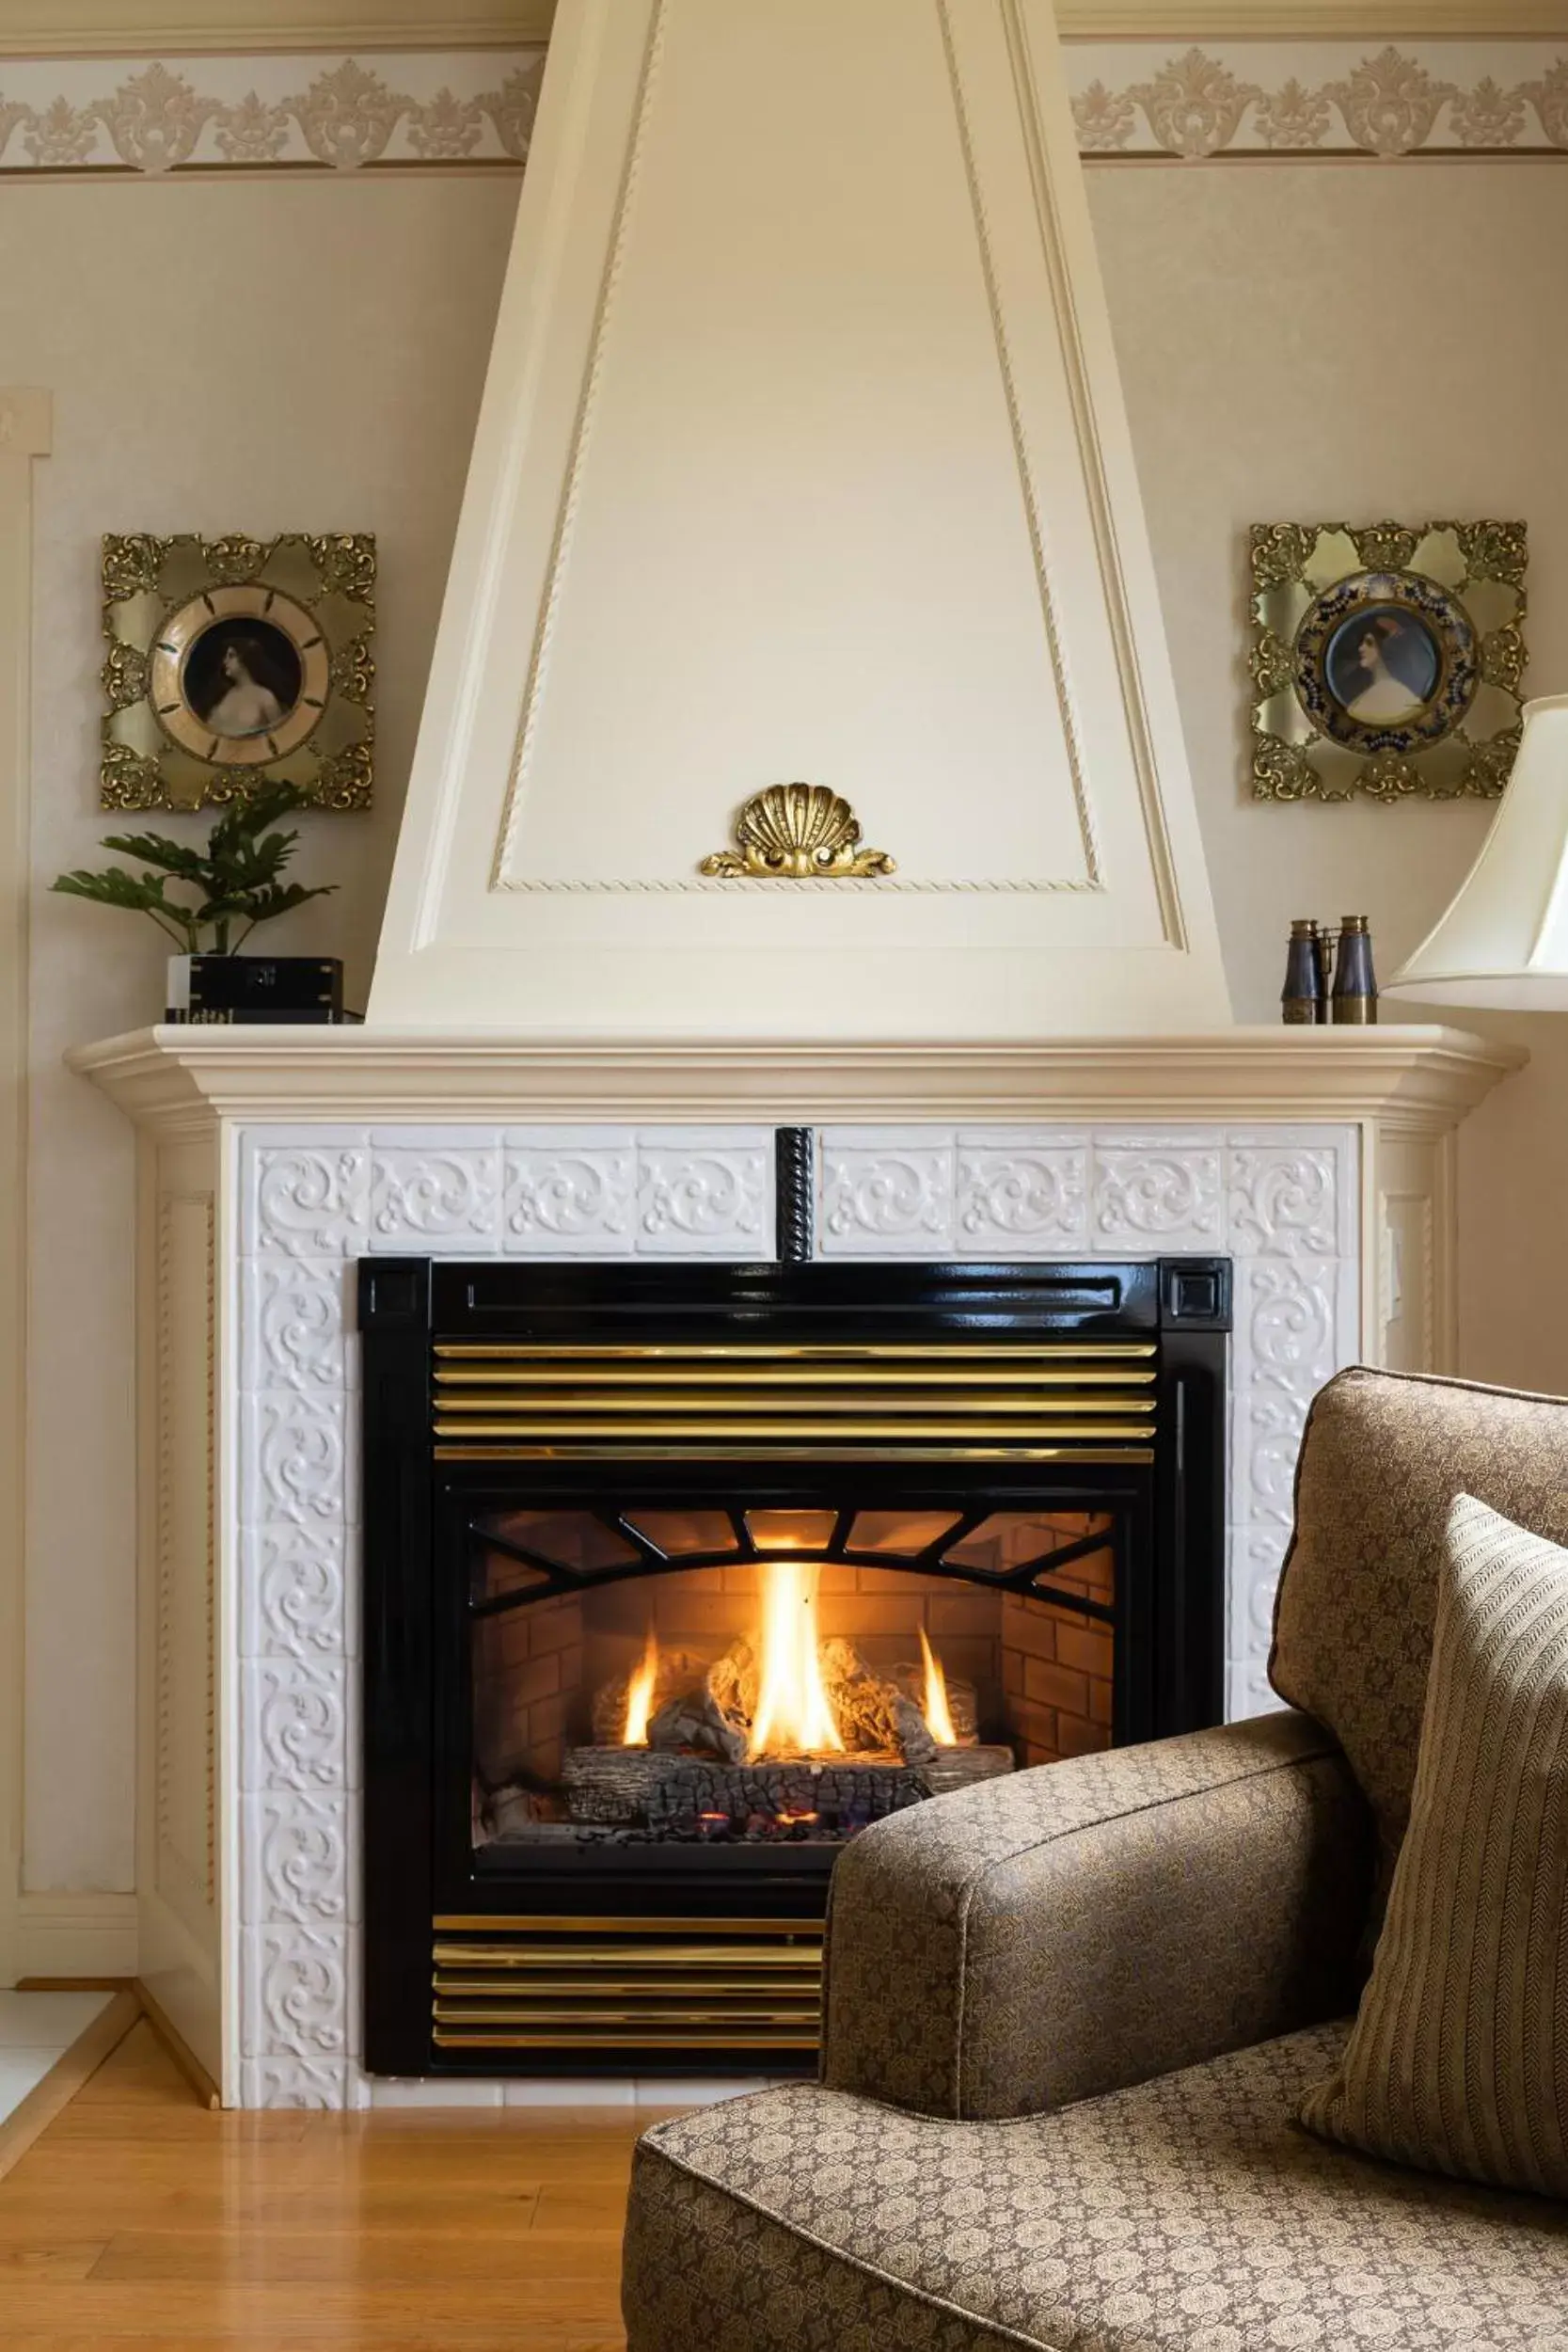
x: 1413, y: 1079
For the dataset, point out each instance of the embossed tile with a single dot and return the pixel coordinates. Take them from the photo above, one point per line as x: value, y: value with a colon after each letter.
x: 1292, y: 1192
x: 436, y: 1192
x: 569, y: 1192
x: 295, y: 1595
x: 1287, y: 1311
x: 704, y: 1192
x: 299, y: 1994
x: 296, y: 1456
x: 1156, y: 1190
x: 297, y: 1867
x: 307, y: 1198
x: 293, y: 1324
x: 1021, y: 1195
x: 286, y: 2082
x: 1267, y: 1424
x: 294, y: 1725
x: 886, y: 1192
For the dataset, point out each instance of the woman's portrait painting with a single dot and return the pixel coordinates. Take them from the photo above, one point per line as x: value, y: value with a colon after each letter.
x: 1386, y: 658
x: 1382, y: 666
x: 242, y: 676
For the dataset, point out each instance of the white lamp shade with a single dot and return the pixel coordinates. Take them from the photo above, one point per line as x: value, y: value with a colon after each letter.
x: 1504, y: 940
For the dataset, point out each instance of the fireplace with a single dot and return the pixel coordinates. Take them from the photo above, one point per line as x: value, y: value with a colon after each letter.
x: 677, y: 1578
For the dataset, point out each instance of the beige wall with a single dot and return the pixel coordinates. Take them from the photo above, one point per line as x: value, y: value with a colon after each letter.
x: 256, y: 355
x: 1296, y: 339
x: 1354, y: 340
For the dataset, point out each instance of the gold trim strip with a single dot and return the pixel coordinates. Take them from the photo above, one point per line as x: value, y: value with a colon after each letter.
x: 1042, y: 1411
x: 734, y: 2016
x: 695, y: 1452
x: 546, y: 1923
x: 780, y: 2039
x: 620, y: 1988
x: 827, y: 1352
x: 618, y: 1376
x: 738, y: 1428
x: 785, y: 1961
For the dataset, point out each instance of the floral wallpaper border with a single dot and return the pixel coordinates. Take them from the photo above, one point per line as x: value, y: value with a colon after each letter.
x: 1320, y: 98
x: 239, y: 112
x: 1130, y: 100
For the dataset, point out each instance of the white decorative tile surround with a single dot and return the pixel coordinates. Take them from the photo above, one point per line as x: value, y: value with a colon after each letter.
x: 1282, y: 1201
x: 1321, y: 1161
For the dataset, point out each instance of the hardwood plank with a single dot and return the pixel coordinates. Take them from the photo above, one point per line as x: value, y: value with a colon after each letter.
x: 140, y: 2220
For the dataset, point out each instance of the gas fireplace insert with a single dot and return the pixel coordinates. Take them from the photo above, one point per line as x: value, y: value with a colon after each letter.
x: 679, y: 1577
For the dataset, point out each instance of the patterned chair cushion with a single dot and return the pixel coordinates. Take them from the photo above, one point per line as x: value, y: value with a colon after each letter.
x: 1190, y: 2211
x: 1384, y: 1456
x: 1459, y: 2059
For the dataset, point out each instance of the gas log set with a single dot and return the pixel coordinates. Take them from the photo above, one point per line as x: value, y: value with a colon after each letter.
x: 785, y: 1737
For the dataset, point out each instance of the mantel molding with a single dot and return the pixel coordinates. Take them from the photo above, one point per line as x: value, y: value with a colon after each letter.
x: 1412, y: 1080
x: 64, y: 28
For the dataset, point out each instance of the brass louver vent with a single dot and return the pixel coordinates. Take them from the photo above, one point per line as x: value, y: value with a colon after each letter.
x: 1048, y: 1401
x: 627, y: 1984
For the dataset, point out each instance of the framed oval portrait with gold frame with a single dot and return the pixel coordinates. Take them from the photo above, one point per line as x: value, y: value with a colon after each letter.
x: 1385, y: 658
x: 237, y: 661
x: 239, y: 675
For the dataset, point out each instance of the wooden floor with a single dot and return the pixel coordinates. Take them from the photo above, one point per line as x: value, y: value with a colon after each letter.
x: 141, y: 2218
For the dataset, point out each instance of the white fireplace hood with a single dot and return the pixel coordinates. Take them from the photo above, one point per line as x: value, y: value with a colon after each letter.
x: 803, y: 457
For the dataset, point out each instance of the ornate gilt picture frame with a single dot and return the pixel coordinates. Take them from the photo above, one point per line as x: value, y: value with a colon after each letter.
x: 236, y: 662
x: 1386, y: 660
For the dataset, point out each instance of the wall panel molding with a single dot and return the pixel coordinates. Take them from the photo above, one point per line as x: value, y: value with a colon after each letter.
x: 24, y: 436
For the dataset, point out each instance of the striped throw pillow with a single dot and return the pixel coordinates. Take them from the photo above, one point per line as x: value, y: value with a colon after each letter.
x: 1458, y: 2058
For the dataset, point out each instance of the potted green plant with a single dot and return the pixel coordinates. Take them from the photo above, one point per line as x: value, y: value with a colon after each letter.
x: 231, y: 885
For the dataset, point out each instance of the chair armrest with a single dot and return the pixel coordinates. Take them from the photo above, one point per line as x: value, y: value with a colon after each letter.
x: 1076, y: 1927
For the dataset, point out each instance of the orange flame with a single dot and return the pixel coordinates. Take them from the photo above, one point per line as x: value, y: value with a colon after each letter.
x: 939, y: 1715
x: 793, y: 1715
x: 640, y: 1696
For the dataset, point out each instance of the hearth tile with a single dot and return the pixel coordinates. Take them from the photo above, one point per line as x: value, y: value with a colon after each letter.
x: 300, y: 1988
x: 435, y: 1191
x: 417, y: 2091
x: 570, y: 2090
x: 296, y: 1458
x: 886, y: 1193
x: 1156, y: 1190
x: 1292, y: 1191
x: 298, y: 1592
x: 294, y: 1725
x: 704, y: 1193
x: 287, y: 2082
x: 1022, y: 1196
x: 297, y: 1864
x: 1288, y: 1322
x: 308, y: 1197
x: 292, y: 1314
x: 570, y: 1192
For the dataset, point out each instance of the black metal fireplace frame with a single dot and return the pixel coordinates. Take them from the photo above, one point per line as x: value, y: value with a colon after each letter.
x: 418, y: 1865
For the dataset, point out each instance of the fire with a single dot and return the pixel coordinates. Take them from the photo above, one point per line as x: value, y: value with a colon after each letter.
x: 793, y: 1716
x: 939, y: 1715
x: 640, y: 1696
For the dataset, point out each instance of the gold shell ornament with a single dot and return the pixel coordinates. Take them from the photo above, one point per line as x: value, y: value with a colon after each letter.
x: 797, y: 832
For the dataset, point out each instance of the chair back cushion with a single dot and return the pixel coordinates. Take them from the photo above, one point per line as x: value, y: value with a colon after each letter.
x: 1459, y: 2061
x: 1382, y: 1457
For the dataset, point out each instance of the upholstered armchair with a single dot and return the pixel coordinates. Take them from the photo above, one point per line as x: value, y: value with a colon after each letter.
x: 1071, y: 2014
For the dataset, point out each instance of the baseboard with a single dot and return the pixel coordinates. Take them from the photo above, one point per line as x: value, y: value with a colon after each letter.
x: 75, y: 1935
x: 177, y: 2048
